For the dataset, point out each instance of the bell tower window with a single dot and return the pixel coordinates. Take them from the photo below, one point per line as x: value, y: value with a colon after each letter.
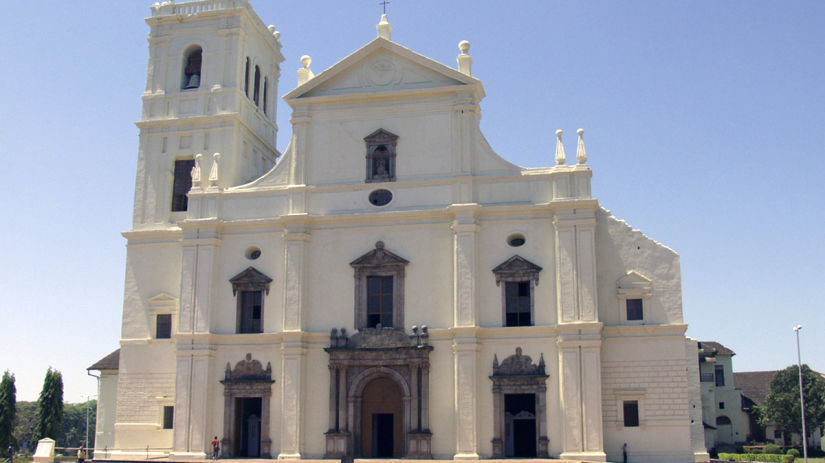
x: 192, y: 69
x: 381, y: 156
x: 182, y: 184
x: 246, y: 78
x: 266, y: 96
x: 257, y: 89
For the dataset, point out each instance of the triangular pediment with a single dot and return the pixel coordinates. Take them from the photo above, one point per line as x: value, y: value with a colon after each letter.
x: 381, y: 66
x: 634, y: 284
x: 163, y: 299
x: 516, y: 264
x: 379, y: 257
x: 517, y: 268
x: 250, y: 280
x: 633, y: 279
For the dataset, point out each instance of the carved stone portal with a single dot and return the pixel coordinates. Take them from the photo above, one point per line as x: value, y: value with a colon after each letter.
x: 518, y: 375
x: 382, y: 355
x: 248, y: 380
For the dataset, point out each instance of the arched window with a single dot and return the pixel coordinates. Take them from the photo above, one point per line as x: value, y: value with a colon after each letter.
x: 192, y: 68
x: 266, y: 96
x: 246, y: 78
x: 257, y: 90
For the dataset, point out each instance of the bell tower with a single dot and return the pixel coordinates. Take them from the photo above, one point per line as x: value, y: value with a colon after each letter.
x: 209, y: 102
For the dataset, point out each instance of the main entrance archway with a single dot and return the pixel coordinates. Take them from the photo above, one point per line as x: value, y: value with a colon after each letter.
x: 382, y: 418
x: 379, y: 394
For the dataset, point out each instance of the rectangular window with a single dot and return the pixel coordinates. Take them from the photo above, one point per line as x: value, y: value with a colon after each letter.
x: 721, y: 405
x: 379, y: 301
x: 168, y: 416
x: 250, y: 312
x: 163, y: 326
x: 631, y: 413
x: 777, y: 434
x: 517, y: 303
x: 634, y: 309
x: 182, y: 184
x: 719, y: 372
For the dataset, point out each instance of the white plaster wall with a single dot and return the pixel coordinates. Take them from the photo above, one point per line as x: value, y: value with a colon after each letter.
x: 653, y: 370
x: 106, y: 411
x: 620, y: 249
x: 427, y: 282
x: 232, y: 261
x: 146, y: 382
x: 151, y: 269
x: 493, y: 249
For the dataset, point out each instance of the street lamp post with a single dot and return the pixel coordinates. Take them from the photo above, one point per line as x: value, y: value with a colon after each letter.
x: 801, y: 396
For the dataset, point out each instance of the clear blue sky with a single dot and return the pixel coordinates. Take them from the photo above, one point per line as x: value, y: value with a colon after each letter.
x: 703, y: 120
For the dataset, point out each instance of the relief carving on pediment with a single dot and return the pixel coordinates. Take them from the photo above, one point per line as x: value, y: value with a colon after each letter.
x: 248, y: 370
x: 518, y: 365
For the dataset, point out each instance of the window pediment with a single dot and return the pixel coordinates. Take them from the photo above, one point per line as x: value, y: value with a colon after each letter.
x: 379, y: 257
x: 248, y: 370
x: 518, y: 365
x: 250, y: 280
x: 517, y: 268
x: 634, y: 284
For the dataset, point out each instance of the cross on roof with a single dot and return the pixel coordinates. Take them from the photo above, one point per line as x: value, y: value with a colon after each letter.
x: 384, y: 4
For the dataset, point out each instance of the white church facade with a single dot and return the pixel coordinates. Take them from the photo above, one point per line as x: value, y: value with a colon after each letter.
x: 389, y: 286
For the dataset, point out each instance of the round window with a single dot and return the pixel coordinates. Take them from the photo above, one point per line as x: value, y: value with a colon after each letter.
x: 515, y: 240
x: 253, y: 253
x: 380, y: 197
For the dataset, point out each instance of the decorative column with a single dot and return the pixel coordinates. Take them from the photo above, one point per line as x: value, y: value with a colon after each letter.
x: 297, y: 167
x: 194, y: 356
x: 464, y: 264
x: 465, y: 348
x: 296, y: 237
x: 293, y: 349
x: 292, y: 357
x: 579, y: 339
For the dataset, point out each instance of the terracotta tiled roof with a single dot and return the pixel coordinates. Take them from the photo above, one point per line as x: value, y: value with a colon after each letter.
x: 754, y: 385
x: 715, y: 347
x: 110, y: 362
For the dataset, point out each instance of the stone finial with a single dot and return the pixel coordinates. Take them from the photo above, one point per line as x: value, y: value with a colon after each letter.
x: 271, y: 29
x: 304, y: 74
x: 384, y: 27
x: 465, y: 61
x: 196, y: 171
x: 213, y: 172
x: 581, y: 153
x: 560, y: 156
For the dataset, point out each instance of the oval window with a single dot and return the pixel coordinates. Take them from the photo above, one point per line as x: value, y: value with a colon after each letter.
x: 253, y: 253
x: 380, y: 197
x: 515, y: 240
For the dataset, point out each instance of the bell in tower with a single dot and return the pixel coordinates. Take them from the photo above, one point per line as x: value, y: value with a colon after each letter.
x: 192, y: 73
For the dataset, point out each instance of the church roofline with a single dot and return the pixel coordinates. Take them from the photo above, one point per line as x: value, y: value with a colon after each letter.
x: 393, y: 47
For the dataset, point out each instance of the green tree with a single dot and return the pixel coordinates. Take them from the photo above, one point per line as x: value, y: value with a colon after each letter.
x: 25, y: 424
x: 8, y: 408
x: 782, y: 406
x: 50, y: 407
x: 74, y: 424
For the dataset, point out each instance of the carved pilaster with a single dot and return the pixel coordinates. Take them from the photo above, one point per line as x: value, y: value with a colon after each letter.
x: 292, y: 357
x: 579, y: 350
x: 464, y: 264
x: 296, y: 237
x: 465, y: 347
x: 576, y: 265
